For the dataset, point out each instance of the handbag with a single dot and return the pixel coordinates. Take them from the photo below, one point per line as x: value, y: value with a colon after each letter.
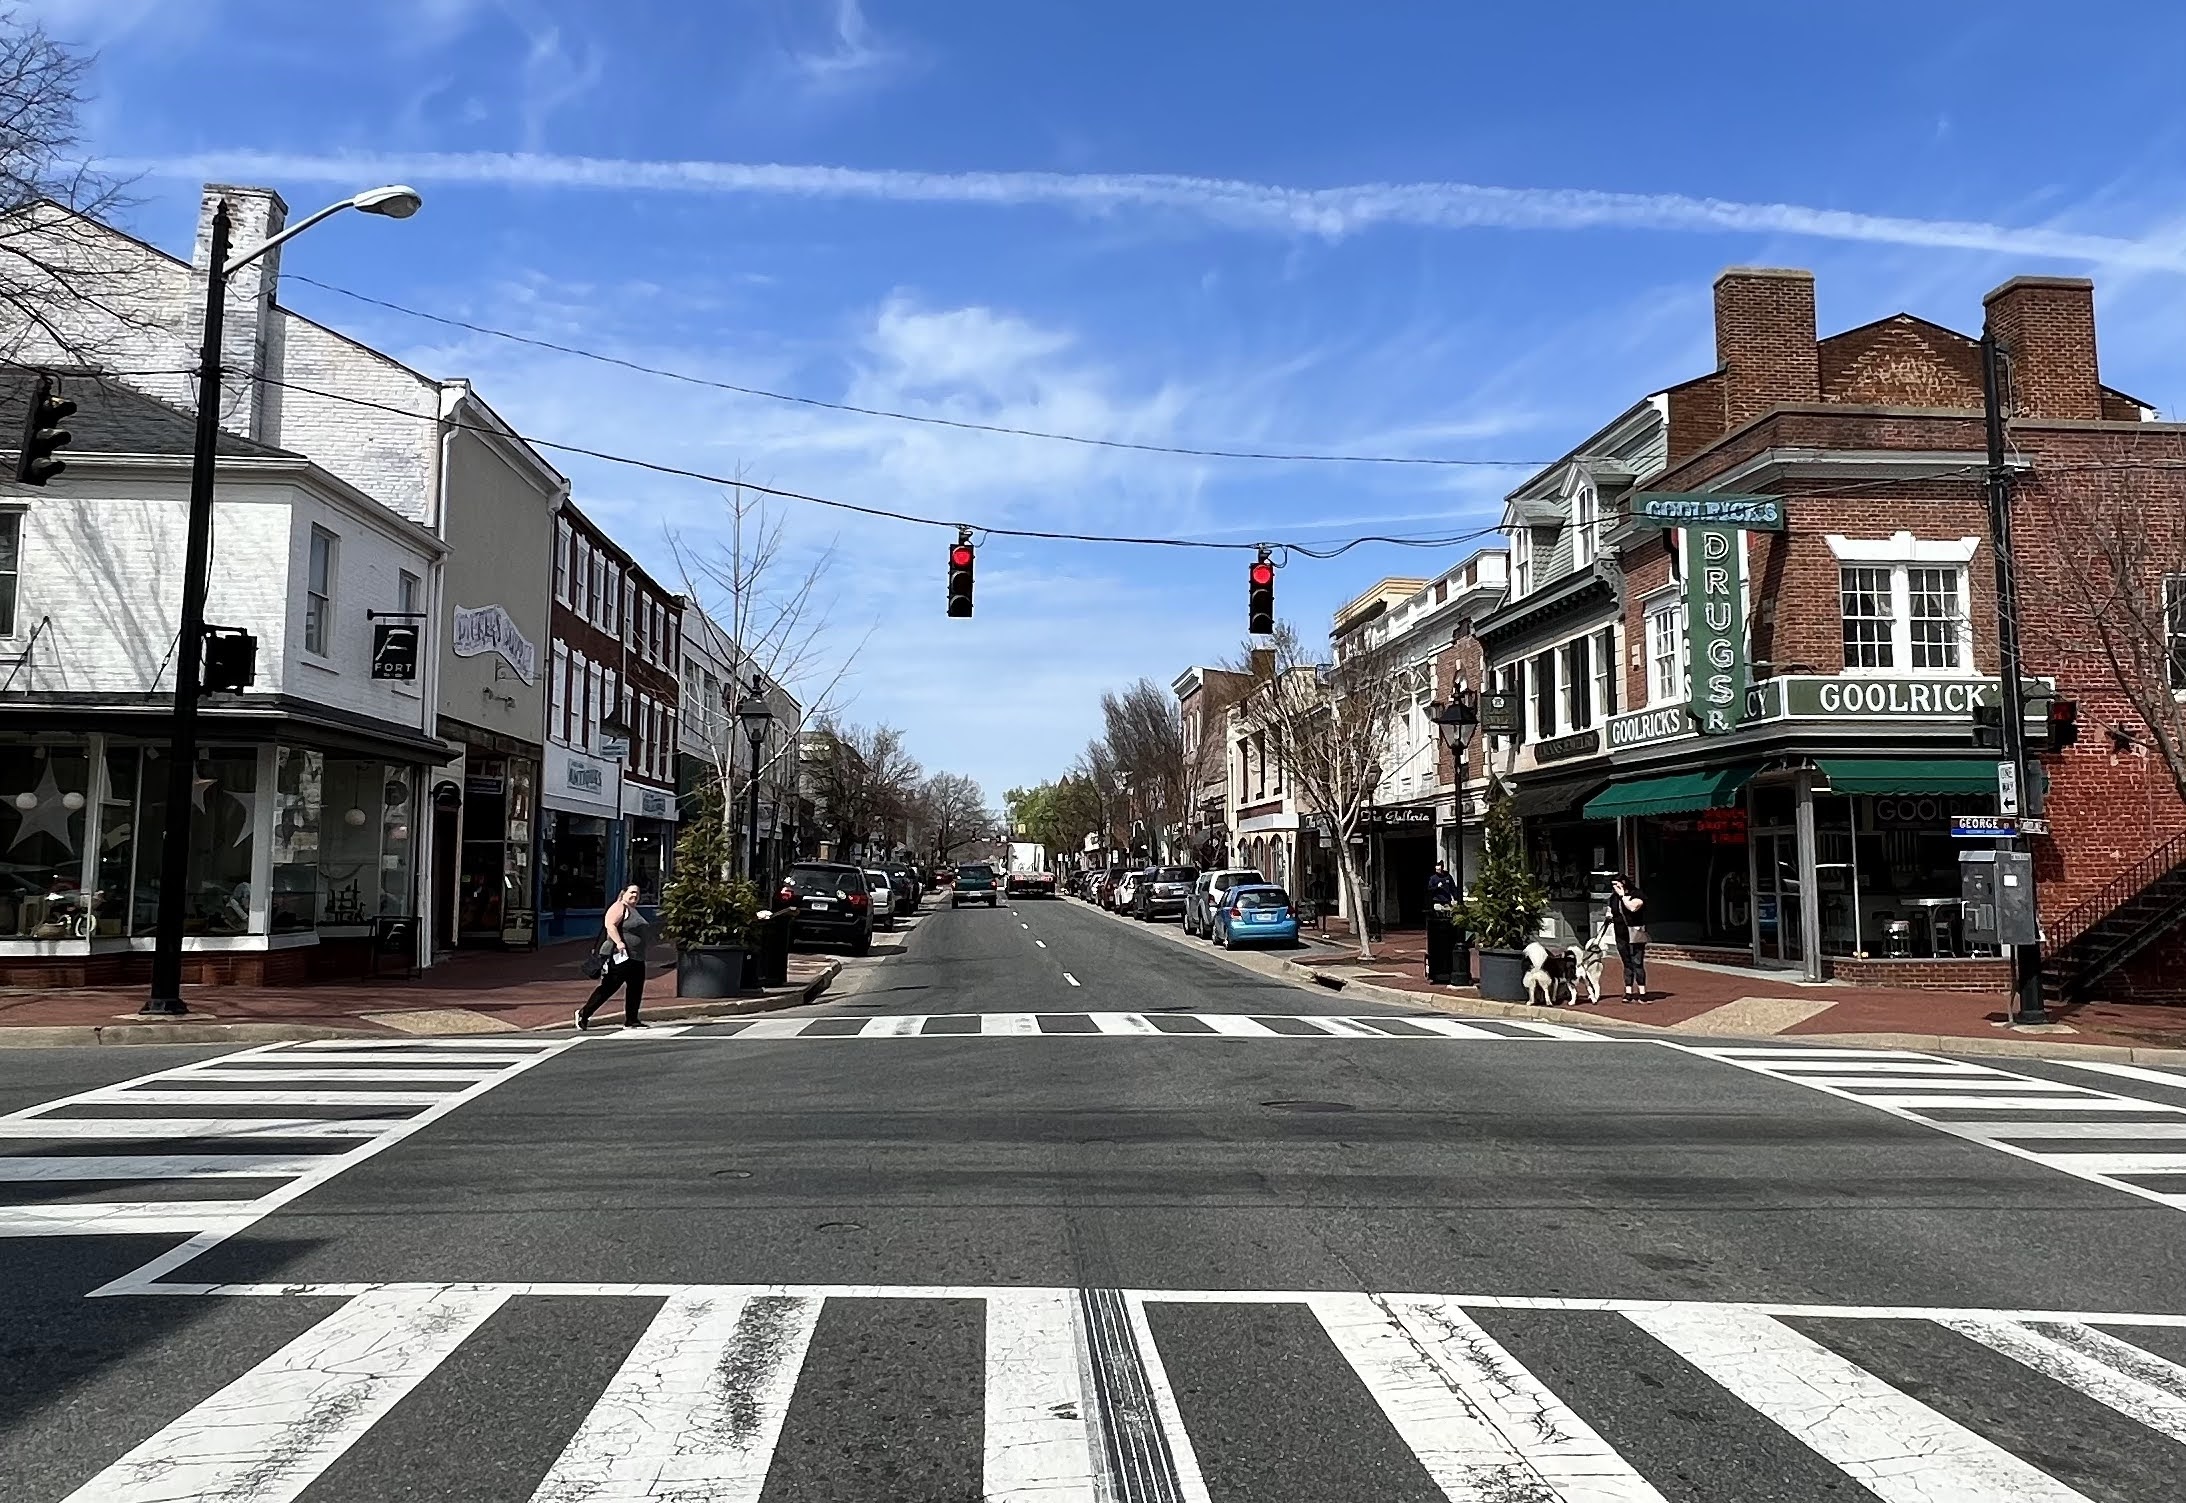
x: 595, y: 964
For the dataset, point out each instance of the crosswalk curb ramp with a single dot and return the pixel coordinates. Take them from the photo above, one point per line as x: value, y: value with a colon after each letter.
x: 1080, y: 1395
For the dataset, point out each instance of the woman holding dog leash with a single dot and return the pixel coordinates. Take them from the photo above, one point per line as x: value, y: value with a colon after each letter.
x: 1627, y: 906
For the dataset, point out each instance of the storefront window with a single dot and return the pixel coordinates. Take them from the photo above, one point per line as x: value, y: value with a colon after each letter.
x: 578, y: 877
x: 519, y: 924
x: 1909, y: 881
x: 112, y: 881
x: 299, y: 778
x: 649, y: 843
x: 41, y: 867
x: 223, y: 826
x: 1693, y: 869
x: 349, y: 877
x: 398, y: 847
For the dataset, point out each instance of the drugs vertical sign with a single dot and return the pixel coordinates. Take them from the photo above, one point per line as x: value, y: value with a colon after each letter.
x: 1714, y: 631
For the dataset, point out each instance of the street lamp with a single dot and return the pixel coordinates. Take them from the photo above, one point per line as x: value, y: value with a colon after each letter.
x: 1455, y: 722
x: 756, y: 716
x: 392, y: 202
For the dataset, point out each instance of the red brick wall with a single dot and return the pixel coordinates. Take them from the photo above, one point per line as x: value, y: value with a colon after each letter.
x: 1462, y: 657
x: 1985, y: 976
x: 1696, y: 417
x: 2047, y: 327
x: 1764, y: 340
x: 1901, y: 361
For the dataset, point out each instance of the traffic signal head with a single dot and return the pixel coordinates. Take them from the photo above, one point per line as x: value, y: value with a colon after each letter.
x: 1260, y: 598
x: 960, y: 578
x: 42, y: 434
x: 2064, y: 723
x: 230, y: 661
x: 1988, y: 725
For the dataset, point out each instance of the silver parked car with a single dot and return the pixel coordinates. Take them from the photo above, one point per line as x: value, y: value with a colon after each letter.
x: 1207, y: 896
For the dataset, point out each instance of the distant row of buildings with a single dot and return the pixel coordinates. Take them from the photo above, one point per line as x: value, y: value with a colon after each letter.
x: 1822, y: 832
x: 536, y: 751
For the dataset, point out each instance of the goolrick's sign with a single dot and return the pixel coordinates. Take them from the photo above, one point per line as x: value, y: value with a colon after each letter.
x: 1715, y: 626
x: 1812, y: 697
x: 489, y: 628
x: 1702, y: 509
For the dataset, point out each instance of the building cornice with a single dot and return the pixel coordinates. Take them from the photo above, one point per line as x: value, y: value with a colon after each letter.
x: 325, y: 483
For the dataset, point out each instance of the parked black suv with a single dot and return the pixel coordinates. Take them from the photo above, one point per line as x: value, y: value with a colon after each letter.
x: 1161, y: 892
x: 833, y: 902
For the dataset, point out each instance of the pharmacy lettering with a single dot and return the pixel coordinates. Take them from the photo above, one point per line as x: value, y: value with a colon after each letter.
x: 1715, y: 629
x: 488, y: 628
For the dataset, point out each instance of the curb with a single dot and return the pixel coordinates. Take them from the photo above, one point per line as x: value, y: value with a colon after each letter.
x: 65, y: 1035
x: 1458, y: 1004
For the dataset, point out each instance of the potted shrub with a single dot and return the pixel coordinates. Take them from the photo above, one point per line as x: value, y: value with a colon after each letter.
x: 1503, y: 913
x: 704, y: 911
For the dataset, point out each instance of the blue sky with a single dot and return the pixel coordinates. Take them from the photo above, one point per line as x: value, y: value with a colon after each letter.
x: 1415, y: 229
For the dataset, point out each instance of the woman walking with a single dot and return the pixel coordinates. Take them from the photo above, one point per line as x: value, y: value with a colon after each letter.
x: 627, y: 930
x: 1627, y: 909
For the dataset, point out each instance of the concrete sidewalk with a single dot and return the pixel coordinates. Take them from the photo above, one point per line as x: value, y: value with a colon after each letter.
x: 469, y: 992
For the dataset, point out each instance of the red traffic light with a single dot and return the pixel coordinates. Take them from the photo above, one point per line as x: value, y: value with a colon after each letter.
x: 1263, y: 573
x: 960, y: 557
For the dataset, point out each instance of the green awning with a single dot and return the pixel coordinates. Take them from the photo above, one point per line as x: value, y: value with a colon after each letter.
x: 1715, y: 789
x: 1910, y: 774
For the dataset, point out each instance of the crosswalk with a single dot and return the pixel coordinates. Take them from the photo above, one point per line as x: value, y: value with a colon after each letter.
x: 2133, y: 1143
x: 1073, y: 1395
x: 211, y: 1146
x: 1123, y: 1025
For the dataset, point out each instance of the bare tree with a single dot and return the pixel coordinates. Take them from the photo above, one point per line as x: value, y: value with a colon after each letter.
x: 952, y: 811
x: 779, y: 623
x: 866, y: 782
x: 65, y: 280
x: 2124, y: 604
x: 1096, y: 768
x: 1327, y: 726
x: 1145, y: 736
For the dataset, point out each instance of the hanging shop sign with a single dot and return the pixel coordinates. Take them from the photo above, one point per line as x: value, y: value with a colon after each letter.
x: 488, y: 628
x: 1715, y: 629
x: 394, y: 651
x: 1502, y: 713
x: 1385, y: 819
x: 1705, y: 509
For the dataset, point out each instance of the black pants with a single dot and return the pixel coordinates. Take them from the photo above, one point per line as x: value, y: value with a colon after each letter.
x: 630, y: 976
x: 1635, y: 964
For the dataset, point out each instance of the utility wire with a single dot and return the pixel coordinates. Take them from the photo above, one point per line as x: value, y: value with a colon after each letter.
x: 1443, y: 540
x: 915, y: 417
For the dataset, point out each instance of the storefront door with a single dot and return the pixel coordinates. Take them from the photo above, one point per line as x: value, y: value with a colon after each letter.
x: 1777, y: 926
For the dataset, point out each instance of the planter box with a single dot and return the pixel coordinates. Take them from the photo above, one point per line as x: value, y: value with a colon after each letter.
x: 709, y: 971
x: 1502, y: 974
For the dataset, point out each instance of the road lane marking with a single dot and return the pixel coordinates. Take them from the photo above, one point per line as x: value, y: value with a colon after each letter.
x: 1039, y: 1444
x: 1070, y: 978
x: 1041, y: 943
x: 1894, y: 1445
x: 1236, y: 1025
x: 113, y: 1218
x: 1121, y: 1022
x: 895, y: 1027
x: 267, y: 1435
x: 2128, y: 1072
x: 97, y: 1166
x: 1191, y: 1485
x: 1008, y: 1023
x: 697, y: 1407
x: 122, y: 1097
x: 1483, y: 1426
x: 190, y: 1127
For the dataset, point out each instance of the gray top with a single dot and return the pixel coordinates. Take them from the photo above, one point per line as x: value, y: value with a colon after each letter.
x: 636, y: 930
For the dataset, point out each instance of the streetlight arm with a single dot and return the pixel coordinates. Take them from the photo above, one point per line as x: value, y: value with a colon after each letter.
x: 237, y: 263
x: 392, y: 202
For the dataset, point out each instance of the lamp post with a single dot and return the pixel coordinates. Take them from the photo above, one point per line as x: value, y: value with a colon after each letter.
x: 165, y: 999
x: 1456, y: 722
x: 756, y: 716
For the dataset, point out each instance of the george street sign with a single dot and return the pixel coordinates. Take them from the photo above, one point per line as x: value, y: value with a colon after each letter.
x: 1983, y: 827
x: 1706, y: 509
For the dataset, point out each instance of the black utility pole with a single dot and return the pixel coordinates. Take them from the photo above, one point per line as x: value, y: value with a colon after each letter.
x: 174, y: 852
x: 2026, y: 959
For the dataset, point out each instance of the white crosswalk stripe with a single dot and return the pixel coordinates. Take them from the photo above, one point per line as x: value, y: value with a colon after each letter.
x: 700, y: 1404
x: 1427, y: 1028
x: 94, y: 1154
x: 2050, y: 1122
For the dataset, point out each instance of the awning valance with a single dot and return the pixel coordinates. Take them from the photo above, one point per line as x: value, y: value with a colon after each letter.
x: 1910, y: 774
x: 1556, y: 799
x: 1716, y: 788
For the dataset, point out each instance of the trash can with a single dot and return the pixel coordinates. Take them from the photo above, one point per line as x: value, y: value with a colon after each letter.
x: 774, y: 947
x: 1441, y: 942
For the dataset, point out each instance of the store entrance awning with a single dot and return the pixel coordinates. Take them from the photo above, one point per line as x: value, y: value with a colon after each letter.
x: 1550, y: 802
x: 1678, y: 794
x: 1909, y: 774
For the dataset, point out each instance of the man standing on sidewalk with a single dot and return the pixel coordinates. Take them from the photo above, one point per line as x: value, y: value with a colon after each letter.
x: 1442, y: 901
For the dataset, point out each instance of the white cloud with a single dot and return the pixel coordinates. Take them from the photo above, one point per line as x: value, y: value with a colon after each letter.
x: 1327, y: 212
x: 853, y: 54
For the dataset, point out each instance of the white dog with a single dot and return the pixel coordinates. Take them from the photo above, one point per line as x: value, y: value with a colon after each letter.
x: 1554, y: 980
x: 1542, y: 980
x: 1583, y: 969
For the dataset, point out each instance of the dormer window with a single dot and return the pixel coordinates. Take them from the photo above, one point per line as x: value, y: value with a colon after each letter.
x: 1521, y: 560
x: 1586, y: 525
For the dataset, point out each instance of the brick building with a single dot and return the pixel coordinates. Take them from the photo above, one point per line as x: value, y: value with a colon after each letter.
x: 613, y: 702
x: 1817, y: 829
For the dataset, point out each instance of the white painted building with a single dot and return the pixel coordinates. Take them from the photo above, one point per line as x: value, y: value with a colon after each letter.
x: 716, y: 676
x: 309, y: 784
x: 430, y: 451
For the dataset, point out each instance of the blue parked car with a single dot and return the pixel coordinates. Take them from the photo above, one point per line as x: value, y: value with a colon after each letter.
x: 1253, y: 914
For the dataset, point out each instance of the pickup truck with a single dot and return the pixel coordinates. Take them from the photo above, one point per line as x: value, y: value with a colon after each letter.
x: 973, y: 882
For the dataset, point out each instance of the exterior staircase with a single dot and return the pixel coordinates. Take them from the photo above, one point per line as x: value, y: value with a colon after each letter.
x: 2146, y: 902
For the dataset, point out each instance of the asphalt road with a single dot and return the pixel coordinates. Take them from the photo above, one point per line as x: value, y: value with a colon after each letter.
x: 1039, y: 1204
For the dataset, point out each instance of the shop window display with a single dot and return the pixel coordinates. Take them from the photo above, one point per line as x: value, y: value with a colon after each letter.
x: 223, y: 826
x: 41, y: 866
x: 299, y: 794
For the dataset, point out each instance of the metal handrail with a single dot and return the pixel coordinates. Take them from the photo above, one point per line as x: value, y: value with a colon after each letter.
x: 2127, y: 885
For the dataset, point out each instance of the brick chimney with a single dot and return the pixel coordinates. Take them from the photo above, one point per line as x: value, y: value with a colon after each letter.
x: 249, y: 342
x: 1764, y: 340
x: 2046, y: 326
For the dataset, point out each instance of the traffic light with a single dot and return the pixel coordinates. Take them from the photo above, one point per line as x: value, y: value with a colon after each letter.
x: 230, y: 662
x: 2064, y: 723
x: 1260, y: 598
x: 1988, y: 726
x: 960, y: 577
x: 41, y: 435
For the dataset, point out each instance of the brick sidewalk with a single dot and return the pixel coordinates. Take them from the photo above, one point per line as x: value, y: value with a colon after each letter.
x: 1769, y: 1002
x: 469, y: 992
